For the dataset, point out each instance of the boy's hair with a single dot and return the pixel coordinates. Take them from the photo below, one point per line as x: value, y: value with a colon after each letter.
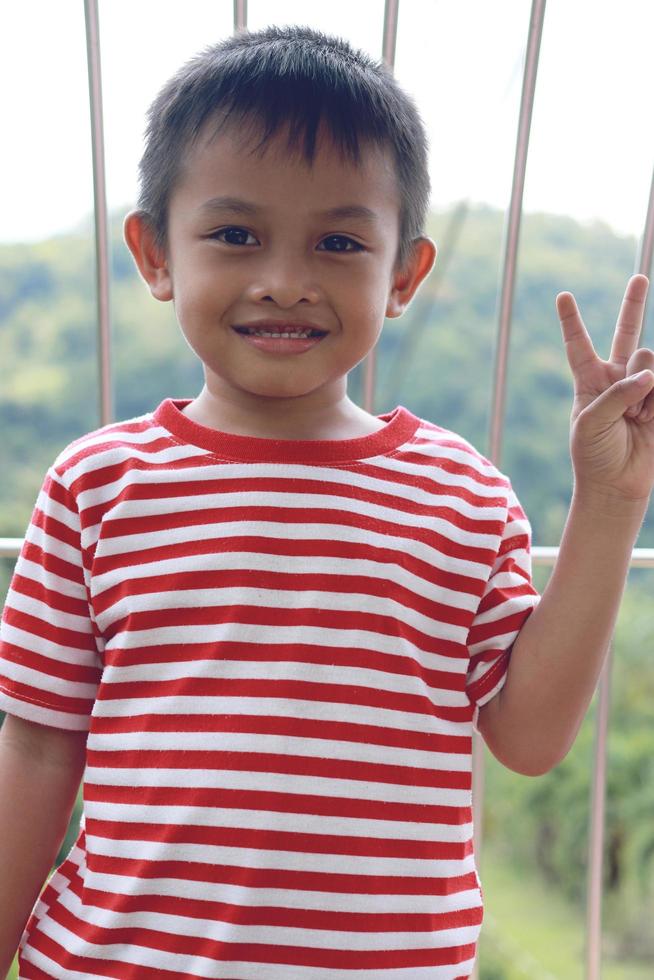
x: 281, y: 75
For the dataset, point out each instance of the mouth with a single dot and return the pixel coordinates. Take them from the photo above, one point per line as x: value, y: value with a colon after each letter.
x: 276, y: 342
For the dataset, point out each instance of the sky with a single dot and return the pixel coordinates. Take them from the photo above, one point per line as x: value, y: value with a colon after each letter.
x: 591, y: 149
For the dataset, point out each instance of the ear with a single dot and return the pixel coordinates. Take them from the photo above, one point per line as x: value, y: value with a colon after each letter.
x: 150, y: 260
x: 406, y: 280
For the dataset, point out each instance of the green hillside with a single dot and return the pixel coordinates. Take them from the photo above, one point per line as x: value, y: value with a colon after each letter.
x: 437, y: 360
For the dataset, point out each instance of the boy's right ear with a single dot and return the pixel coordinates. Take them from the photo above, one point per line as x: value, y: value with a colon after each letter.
x: 150, y: 260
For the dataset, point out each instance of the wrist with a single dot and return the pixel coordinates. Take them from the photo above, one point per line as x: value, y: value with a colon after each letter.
x: 607, y: 504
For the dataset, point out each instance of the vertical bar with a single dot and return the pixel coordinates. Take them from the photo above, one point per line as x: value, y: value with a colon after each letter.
x: 106, y: 399
x: 412, y: 336
x: 646, y: 249
x: 598, y: 792
x: 240, y: 15
x: 389, y: 40
x: 512, y: 236
x: 596, y: 838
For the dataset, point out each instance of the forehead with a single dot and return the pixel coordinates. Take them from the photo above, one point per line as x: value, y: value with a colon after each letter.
x: 230, y: 163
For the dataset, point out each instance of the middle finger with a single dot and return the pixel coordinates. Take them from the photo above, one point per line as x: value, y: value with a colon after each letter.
x: 630, y: 320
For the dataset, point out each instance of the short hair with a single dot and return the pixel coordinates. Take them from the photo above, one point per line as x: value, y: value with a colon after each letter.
x: 294, y: 75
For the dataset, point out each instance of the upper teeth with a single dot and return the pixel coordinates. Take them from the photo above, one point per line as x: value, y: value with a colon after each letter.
x: 266, y: 333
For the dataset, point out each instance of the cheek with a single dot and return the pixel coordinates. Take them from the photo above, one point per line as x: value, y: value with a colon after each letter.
x: 365, y: 295
x: 196, y: 296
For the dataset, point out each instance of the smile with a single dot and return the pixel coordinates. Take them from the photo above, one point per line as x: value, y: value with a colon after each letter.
x: 280, y: 343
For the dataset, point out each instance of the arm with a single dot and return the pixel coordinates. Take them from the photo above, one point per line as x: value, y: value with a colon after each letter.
x: 558, y: 655
x: 40, y: 773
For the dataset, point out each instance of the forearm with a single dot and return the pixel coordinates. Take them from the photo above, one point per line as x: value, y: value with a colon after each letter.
x: 36, y: 801
x: 559, y: 653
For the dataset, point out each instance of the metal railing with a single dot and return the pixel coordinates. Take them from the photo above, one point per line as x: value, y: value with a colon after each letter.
x: 640, y: 557
x: 544, y: 556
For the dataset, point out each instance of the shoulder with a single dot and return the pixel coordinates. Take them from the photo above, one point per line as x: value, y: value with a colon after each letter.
x: 446, y: 449
x: 105, y: 446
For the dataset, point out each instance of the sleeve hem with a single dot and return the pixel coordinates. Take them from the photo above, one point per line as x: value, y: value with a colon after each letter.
x: 485, y: 698
x: 41, y: 713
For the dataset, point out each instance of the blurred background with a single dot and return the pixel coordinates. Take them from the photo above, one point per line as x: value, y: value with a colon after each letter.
x: 591, y: 154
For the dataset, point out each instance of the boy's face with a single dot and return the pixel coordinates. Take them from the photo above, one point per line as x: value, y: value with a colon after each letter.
x: 287, y: 262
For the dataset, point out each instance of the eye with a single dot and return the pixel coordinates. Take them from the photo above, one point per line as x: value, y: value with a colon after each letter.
x: 343, y: 238
x: 229, y: 231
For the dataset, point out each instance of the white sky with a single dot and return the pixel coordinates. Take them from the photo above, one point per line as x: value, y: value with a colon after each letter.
x: 592, y: 141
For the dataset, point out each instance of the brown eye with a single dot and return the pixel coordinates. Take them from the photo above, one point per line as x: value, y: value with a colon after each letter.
x: 232, y: 232
x: 343, y: 238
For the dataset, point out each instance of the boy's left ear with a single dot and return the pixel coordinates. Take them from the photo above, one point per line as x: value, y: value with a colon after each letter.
x: 150, y: 260
x: 406, y: 280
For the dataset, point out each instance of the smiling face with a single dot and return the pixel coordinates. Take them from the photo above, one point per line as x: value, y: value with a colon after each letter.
x: 279, y: 256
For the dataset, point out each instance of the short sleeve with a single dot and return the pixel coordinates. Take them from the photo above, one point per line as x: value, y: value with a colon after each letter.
x: 49, y: 662
x: 507, y: 602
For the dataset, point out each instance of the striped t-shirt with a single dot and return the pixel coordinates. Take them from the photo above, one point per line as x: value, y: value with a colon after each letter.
x: 278, y: 649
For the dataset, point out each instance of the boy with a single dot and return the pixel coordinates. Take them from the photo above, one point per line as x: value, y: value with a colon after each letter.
x: 262, y: 623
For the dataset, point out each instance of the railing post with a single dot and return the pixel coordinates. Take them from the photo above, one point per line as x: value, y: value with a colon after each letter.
x: 102, y: 263
x: 389, y: 40
x: 512, y: 237
x: 240, y: 15
x: 645, y: 257
x: 596, y: 836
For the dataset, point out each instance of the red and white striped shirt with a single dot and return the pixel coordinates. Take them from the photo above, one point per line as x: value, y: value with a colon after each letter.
x: 278, y: 649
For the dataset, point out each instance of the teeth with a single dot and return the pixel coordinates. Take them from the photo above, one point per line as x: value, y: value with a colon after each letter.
x: 265, y: 333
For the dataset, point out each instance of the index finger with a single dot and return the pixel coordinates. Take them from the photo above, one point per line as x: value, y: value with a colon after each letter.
x: 630, y: 320
x: 578, y: 345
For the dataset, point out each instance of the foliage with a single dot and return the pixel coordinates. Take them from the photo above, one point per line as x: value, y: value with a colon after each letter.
x: 543, y: 823
x: 437, y: 359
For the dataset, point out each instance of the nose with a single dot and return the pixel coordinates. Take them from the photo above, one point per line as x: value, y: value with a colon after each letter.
x: 284, y: 280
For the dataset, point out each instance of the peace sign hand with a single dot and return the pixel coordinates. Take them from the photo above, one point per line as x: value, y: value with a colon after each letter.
x: 612, y: 421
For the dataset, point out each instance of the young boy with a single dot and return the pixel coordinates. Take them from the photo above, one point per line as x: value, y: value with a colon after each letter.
x: 263, y: 623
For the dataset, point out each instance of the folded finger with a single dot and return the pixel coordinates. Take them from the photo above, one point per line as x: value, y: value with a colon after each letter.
x: 640, y: 360
x: 646, y: 413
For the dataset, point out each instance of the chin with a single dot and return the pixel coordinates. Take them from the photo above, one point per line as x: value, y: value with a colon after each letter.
x: 276, y: 391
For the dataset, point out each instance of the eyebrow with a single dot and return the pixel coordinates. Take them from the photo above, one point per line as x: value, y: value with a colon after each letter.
x: 237, y: 205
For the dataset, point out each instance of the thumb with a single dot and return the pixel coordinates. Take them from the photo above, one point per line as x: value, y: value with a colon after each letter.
x: 614, y: 402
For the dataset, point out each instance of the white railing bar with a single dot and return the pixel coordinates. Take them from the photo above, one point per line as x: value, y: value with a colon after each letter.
x: 240, y: 15
x: 102, y: 264
x: 645, y: 259
x: 511, y: 242
x: 596, y: 833
x: 594, y: 891
x: 640, y: 557
x: 389, y: 43
x: 512, y: 229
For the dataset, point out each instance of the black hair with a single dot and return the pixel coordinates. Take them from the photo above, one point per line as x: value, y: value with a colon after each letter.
x: 287, y: 75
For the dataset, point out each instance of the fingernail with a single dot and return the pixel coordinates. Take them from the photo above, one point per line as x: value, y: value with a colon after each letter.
x: 642, y: 378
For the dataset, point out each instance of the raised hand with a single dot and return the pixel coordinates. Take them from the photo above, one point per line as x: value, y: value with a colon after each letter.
x: 612, y: 421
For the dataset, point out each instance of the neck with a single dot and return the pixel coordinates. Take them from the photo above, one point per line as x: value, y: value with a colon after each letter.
x: 283, y: 419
